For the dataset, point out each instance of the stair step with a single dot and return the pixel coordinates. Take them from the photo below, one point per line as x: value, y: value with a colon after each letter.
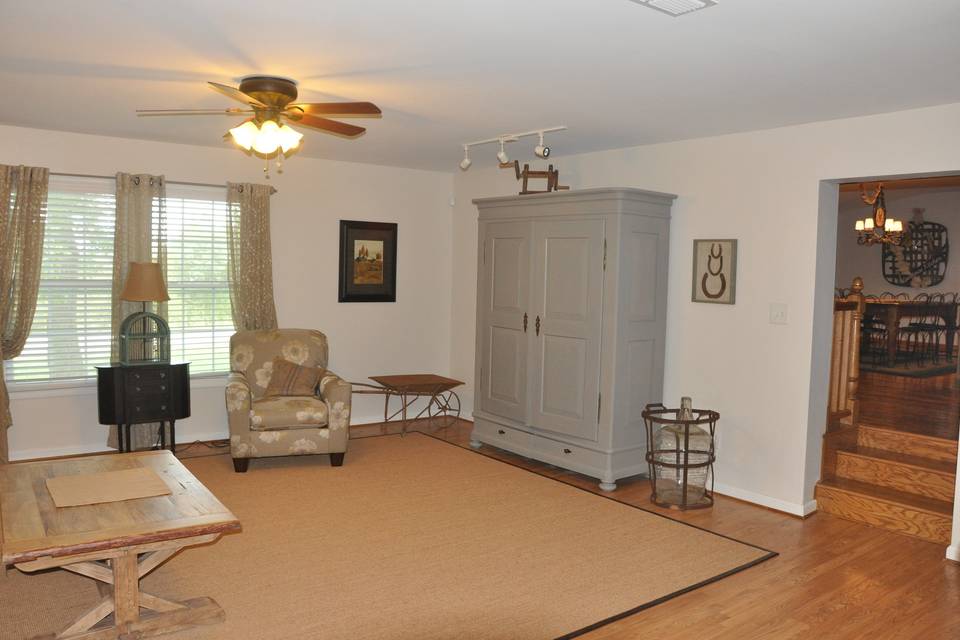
x: 902, y: 472
x: 893, y: 510
x: 914, y: 444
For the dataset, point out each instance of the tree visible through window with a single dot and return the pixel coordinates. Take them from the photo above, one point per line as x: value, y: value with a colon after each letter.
x: 71, y: 329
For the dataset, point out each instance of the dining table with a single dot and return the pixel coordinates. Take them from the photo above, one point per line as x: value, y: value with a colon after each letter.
x: 891, y: 312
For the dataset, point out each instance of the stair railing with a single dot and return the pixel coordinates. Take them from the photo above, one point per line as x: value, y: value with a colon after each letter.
x: 844, y: 404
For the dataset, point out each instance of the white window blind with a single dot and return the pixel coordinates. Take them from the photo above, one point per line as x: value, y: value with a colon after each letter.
x: 71, y: 328
x: 199, y: 309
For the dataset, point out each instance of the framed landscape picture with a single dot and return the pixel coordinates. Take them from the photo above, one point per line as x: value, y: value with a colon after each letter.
x: 715, y: 271
x: 368, y: 261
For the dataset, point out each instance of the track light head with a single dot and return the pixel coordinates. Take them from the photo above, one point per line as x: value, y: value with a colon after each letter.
x: 502, y: 155
x: 466, y: 162
x: 541, y: 150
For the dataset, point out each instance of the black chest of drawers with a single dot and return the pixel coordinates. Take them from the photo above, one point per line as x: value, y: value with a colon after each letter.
x: 134, y: 394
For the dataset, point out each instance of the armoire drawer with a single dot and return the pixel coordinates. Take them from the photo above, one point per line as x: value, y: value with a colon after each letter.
x: 507, y: 436
x: 565, y: 454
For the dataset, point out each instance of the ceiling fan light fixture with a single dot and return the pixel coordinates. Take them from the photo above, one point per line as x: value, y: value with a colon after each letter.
x: 245, y: 134
x: 289, y: 138
x: 268, y: 140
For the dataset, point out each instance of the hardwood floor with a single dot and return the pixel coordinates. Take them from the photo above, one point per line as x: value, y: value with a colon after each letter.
x: 833, y: 579
x: 928, y: 406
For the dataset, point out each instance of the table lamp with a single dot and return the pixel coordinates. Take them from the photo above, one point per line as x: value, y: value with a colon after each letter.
x: 144, y: 336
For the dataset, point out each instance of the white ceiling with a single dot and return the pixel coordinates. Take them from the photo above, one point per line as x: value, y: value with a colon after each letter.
x: 450, y: 71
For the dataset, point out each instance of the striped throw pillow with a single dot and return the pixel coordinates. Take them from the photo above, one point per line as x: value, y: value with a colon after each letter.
x: 289, y: 379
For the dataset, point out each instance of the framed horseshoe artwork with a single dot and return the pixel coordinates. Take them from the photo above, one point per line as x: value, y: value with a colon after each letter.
x: 715, y: 271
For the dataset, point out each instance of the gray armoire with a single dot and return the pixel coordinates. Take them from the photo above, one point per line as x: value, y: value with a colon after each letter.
x: 571, y: 318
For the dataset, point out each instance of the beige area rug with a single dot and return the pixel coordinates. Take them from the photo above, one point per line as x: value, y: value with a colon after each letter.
x: 413, y: 538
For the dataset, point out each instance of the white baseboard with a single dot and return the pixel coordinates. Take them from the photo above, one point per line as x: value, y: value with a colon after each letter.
x: 17, y: 455
x: 793, y: 508
x: 101, y: 447
x: 953, y: 552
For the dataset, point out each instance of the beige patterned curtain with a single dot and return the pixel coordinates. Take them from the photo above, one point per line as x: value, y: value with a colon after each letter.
x: 250, y: 261
x: 138, y: 237
x: 23, y: 214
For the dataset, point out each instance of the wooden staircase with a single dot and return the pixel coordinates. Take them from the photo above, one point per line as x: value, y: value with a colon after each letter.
x: 892, y: 479
x: 880, y: 476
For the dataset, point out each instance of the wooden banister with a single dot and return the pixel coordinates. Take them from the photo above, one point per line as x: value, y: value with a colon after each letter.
x: 844, y: 405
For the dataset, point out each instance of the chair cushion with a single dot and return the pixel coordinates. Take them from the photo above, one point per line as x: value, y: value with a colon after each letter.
x: 291, y: 379
x: 287, y: 412
x: 252, y: 353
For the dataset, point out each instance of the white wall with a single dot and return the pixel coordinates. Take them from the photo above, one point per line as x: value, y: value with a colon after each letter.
x: 764, y: 188
x: 942, y: 205
x: 410, y: 336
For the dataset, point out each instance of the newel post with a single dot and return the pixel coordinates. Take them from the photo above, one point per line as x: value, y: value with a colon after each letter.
x: 856, y: 295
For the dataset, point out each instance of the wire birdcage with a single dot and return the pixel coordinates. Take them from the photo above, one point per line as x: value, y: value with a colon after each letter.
x: 680, y: 454
x: 144, y: 339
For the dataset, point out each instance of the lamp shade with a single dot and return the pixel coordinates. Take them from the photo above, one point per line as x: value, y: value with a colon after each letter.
x: 144, y: 283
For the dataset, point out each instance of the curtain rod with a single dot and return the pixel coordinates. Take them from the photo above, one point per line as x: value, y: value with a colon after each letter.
x: 189, y: 184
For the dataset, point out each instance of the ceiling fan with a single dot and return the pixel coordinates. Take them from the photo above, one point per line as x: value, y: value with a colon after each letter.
x: 270, y: 108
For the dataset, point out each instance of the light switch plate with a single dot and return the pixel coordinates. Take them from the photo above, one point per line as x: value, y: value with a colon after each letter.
x: 778, y: 313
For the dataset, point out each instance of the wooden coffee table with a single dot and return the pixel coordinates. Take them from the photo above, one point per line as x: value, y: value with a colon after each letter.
x: 114, y: 543
x: 443, y: 401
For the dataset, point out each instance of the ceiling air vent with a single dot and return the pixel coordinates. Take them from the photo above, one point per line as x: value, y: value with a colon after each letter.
x: 676, y: 7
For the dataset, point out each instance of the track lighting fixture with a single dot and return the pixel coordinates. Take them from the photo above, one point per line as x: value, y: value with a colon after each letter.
x: 466, y: 162
x: 541, y: 150
x: 502, y: 155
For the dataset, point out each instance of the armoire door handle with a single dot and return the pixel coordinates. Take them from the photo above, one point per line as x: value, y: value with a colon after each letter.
x: 537, y: 325
x: 524, y: 322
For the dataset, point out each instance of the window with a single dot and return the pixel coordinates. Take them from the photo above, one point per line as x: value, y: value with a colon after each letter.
x: 71, y: 329
x: 199, y: 309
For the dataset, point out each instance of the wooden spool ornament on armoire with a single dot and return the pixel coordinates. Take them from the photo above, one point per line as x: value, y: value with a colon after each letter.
x: 571, y: 320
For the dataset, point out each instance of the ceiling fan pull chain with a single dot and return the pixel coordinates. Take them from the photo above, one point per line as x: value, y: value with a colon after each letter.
x: 280, y: 161
x: 266, y: 168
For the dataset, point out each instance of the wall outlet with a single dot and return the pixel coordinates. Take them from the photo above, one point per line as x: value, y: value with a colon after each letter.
x: 778, y: 313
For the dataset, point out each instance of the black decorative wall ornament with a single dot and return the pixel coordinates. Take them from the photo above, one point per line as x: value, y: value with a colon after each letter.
x: 921, y: 260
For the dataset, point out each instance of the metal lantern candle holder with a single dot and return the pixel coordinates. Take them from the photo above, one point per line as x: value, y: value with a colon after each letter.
x: 680, y: 454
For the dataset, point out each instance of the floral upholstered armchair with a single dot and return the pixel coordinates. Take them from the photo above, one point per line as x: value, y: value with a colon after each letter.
x: 262, y: 426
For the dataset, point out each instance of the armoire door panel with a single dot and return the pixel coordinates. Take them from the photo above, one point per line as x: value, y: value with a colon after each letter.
x: 505, y: 364
x: 564, y: 362
x: 566, y: 292
x: 567, y: 297
x: 505, y: 265
x: 504, y: 301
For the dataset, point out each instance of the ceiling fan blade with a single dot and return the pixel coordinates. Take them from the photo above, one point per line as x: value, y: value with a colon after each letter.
x: 330, y: 126
x: 236, y: 94
x: 359, y: 109
x: 194, y: 112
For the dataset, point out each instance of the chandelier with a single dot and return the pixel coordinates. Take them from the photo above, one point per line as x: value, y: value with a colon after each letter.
x: 878, y: 228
